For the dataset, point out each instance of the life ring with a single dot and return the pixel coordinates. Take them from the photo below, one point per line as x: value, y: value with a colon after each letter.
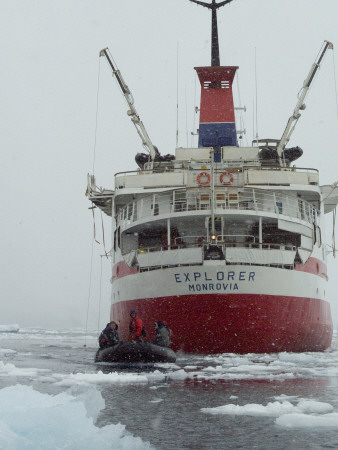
x: 226, y: 178
x: 203, y: 178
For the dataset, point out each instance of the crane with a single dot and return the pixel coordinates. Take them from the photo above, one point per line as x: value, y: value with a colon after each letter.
x: 135, y: 118
x: 293, y: 119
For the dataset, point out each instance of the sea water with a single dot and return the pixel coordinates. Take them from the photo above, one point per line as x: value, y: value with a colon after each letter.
x: 53, y: 396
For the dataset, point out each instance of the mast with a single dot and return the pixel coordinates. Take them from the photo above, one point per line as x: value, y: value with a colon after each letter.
x: 217, y: 126
x: 217, y: 119
x: 215, y: 61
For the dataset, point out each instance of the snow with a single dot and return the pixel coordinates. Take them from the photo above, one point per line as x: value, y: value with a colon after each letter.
x: 32, y: 420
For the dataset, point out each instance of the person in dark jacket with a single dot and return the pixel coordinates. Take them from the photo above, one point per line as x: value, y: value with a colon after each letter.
x: 162, y: 336
x: 109, y: 335
x: 135, y: 327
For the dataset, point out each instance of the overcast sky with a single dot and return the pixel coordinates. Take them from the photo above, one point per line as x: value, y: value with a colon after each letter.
x: 51, y: 77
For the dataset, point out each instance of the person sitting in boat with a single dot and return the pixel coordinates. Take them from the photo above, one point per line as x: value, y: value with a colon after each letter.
x: 162, y: 336
x: 136, y: 329
x: 109, y: 335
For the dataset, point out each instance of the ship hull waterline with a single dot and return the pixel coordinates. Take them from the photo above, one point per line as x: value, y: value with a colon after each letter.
x: 235, y: 323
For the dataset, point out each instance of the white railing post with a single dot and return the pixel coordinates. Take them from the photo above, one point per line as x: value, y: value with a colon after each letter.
x: 260, y: 232
x: 254, y: 199
x: 168, y: 233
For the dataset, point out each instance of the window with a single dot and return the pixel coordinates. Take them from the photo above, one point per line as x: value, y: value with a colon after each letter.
x: 279, y: 207
x: 223, y: 84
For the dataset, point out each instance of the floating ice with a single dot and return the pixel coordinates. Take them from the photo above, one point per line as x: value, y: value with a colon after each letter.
x: 178, y: 375
x: 312, y: 406
x: 297, y: 358
x: 9, y: 328
x: 32, y: 420
x: 307, y: 421
x: 307, y: 413
x: 159, y: 386
x: 272, y: 409
x: 6, y: 351
x: 100, y: 378
x: 285, y: 397
x: 11, y: 370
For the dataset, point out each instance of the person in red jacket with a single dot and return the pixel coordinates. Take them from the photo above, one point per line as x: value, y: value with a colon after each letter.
x: 135, y: 327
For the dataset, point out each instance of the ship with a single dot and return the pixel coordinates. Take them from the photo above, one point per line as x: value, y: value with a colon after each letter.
x: 223, y: 242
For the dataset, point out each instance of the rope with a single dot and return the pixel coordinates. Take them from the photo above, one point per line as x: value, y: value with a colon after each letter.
x: 333, y: 233
x: 89, y: 292
x: 96, y: 116
x: 94, y: 226
x: 334, y: 184
x: 103, y: 239
x: 335, y: 82
x: 98, y: 320
x: 91, y: 271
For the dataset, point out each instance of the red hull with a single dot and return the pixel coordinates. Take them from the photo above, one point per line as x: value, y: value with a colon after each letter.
x: 234, y: 323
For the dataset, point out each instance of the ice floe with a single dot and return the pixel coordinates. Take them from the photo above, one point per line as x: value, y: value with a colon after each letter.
x: 32, y: 420
x: 305, y: 413
x: 12, y: 371
x: 9, y: 328
x: 307, y: 421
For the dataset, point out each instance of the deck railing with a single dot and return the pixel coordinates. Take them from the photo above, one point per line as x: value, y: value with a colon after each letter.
x: 230, y: 244
x: 179, y: 201
x: 248, y: 253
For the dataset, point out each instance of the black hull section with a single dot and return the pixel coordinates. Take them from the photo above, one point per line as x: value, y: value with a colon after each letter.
x: 138, y: 352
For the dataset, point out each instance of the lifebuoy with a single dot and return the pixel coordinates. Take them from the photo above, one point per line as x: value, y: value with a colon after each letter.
x: 226, y: 178
x: 203, y: 178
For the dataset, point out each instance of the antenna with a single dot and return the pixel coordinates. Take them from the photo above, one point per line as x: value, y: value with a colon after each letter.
x: 177, y: 95
x: 256, y: 93
x: 215, y: 61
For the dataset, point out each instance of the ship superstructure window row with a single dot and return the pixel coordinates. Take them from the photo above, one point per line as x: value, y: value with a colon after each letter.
x: 249, y: 226
x: 189, y: 200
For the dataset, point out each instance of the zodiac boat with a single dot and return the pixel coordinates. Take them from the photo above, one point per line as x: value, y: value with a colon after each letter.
x: 135, y: 352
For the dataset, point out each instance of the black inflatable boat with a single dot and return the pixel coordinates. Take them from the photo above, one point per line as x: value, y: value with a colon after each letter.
x: 135, y: 352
